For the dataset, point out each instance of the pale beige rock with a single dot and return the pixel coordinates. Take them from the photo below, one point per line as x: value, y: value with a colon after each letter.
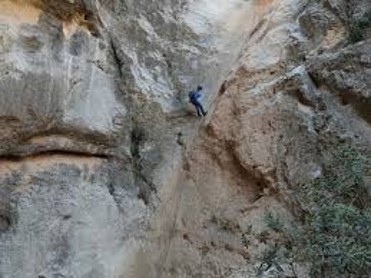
x: 104, y: 171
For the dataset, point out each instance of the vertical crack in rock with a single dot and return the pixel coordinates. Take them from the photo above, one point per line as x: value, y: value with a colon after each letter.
x: 5, y: 217
x: 115, y: 56
x: 145, y: 186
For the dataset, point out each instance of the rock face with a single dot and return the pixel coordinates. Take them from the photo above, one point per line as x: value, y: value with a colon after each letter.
x: 106, y: 172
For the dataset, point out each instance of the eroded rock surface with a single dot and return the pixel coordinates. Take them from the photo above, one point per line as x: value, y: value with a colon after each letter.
x: 93, y: 99
x: 294, y: 93
x: 106, y: 172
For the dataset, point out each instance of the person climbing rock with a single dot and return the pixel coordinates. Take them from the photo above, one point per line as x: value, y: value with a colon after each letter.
x: 195, y: 99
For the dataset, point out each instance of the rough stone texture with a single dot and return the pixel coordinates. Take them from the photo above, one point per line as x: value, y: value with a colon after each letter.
x: 274, y: 116
x: 347, y: 72
x: 104, y: 172
x: 92, y: 109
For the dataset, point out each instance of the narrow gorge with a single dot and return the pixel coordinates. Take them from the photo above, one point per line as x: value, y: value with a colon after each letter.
x: 107, y: 172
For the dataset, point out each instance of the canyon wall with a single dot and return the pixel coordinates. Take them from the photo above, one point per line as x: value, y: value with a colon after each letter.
x: 105, y: 170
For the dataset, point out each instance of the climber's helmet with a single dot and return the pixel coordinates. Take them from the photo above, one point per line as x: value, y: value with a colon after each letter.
x: 199, y: 88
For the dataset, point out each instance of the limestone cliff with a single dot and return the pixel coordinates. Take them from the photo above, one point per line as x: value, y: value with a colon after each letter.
x: 105, y: 171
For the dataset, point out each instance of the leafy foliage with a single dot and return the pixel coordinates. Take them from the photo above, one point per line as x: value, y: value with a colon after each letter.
x: 273, y: 222
x: 335, y: 236
x: 358, y: 27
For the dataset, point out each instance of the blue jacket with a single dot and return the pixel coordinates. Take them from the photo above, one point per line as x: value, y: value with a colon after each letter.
x: 194, y: 96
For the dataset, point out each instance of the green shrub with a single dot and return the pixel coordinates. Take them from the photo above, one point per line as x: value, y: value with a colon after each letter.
x: 273, y: 222
x: 338, y: 241
x: 358, y: 28
x: 335, y: 235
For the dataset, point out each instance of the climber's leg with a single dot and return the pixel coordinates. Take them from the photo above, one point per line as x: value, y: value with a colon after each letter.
x: 204, y: 113
x: 199, y: 111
